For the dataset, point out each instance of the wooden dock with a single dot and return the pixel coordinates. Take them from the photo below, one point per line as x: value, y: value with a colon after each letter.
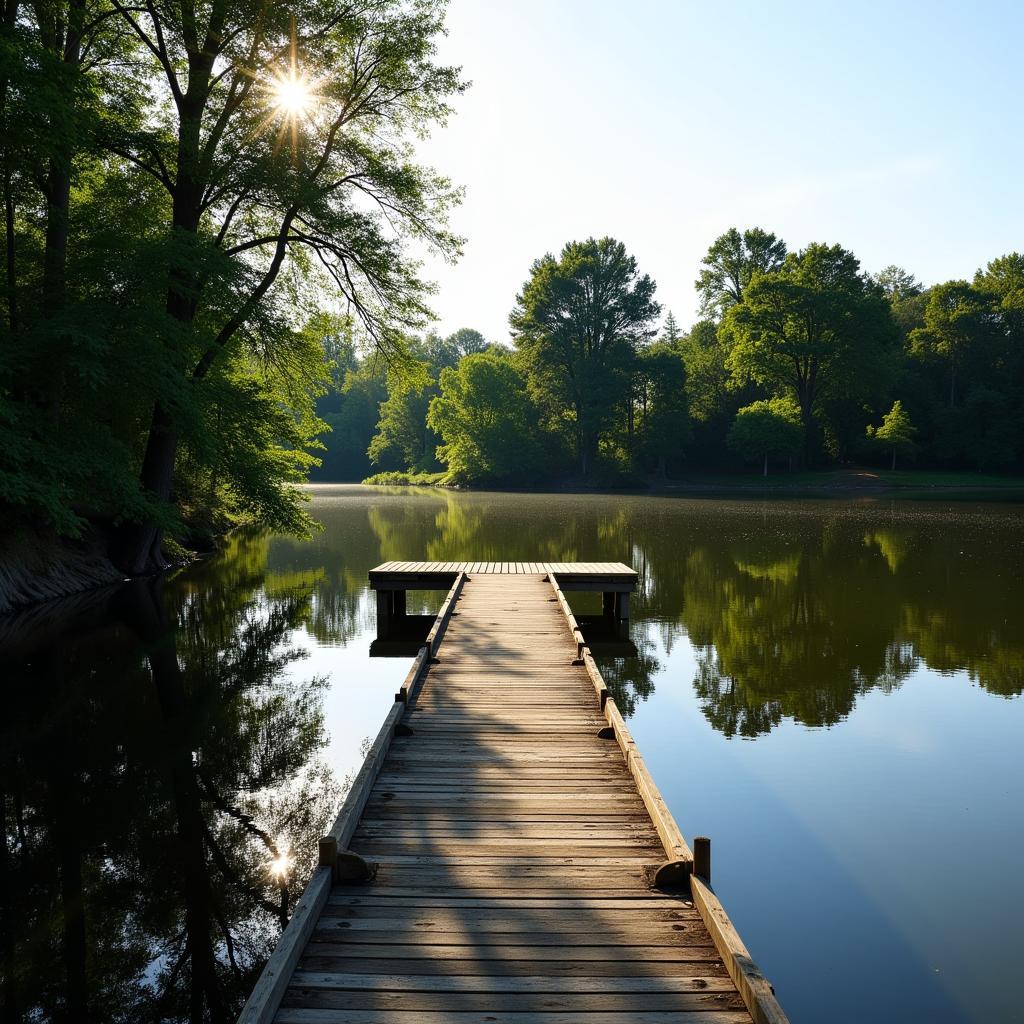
x: 504, y: 855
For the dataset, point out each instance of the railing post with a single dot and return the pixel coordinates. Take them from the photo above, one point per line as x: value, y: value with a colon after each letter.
x: 702, y: 858
x: 329, y: 853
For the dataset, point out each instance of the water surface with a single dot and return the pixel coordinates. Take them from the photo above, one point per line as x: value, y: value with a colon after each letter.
x: 830, y: 690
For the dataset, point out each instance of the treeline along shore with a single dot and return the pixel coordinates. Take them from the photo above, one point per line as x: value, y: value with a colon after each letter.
x: 213, y: 228
x: 802, y: 361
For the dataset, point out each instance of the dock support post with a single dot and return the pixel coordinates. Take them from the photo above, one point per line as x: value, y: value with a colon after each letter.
x: 615, y: 605
x: 383, y: 614
x: 390, y: 607
x: 702, y: 858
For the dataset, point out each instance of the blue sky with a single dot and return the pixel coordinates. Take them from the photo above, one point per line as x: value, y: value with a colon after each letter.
x: 894, y: 129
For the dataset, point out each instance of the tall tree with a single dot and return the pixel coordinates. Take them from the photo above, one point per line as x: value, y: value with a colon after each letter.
x: 466, y: 341
x: 67, y: 80
x: 731, y: 262
x: 578, y: 323
x: 815, y: 326
x: 281, y: 138
x: 1003, y: 280
x: 664, y: 422
x: 958, y: 322
x: 671, y: 332
x: 403, y: 439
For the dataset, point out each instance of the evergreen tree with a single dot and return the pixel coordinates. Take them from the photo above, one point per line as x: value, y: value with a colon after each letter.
x: 896, y: 432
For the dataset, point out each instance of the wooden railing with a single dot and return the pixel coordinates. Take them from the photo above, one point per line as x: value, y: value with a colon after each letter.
x: 754, y: 988
x: 266, y: 996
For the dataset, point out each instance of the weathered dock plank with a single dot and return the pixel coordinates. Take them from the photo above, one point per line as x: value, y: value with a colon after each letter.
x: 524, y: 866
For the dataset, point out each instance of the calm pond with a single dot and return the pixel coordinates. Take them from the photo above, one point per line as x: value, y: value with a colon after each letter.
x: 830, y: 690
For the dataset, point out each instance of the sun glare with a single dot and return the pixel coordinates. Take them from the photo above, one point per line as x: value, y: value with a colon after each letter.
x: 293, y: 94
x: 280, y: 865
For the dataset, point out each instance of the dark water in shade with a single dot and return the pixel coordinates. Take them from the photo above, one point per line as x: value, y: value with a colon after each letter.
x: 830, y: 690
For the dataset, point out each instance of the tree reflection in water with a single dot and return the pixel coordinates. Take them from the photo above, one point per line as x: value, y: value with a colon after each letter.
x: 157, y: 757
x: 155, y: 763
x: 796, y: 624
x: 793, y: 609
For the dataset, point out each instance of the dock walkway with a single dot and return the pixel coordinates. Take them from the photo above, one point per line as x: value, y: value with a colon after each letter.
x: 502, y: 844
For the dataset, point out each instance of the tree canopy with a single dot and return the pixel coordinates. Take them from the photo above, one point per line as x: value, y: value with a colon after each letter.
x: 896, y: 434
x: 486, y: 420
x: 185, y: 188
x: 767, y: 428
x: 731, y: 262
x: 816, y: 325
x: 578, y: 322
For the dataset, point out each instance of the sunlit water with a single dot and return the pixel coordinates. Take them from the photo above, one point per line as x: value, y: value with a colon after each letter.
x: 830, y: 690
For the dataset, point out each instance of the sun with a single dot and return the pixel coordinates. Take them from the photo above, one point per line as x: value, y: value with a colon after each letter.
x: 292, y: 94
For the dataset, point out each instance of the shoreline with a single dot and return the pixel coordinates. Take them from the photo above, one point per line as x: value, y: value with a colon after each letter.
x: 822, y: 483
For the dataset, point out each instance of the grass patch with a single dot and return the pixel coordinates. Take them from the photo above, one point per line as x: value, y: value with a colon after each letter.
x: 401, y: 478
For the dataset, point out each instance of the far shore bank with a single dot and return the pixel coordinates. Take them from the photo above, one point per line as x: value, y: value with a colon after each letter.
x: 847, y: 482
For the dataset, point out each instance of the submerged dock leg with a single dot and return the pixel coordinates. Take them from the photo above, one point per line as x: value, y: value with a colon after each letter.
x: 615, y: 605
x: 383, y: 613
x: 390, y: 609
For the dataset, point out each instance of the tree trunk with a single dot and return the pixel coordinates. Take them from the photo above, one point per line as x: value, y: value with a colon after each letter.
x: 58, y: 205
x: 137, y: 548
x: 10, y: 20
x: 588, y: 453
x: 894, y: 459
x: 765, y: 464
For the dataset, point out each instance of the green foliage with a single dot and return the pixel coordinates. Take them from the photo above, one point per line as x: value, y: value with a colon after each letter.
x: 400, y: 478
x: 897, y: 284
x: 767, y: 428
x: 486, y: 420
x: 958, y: 323
x: 352, y: 418
x: 671, y: 333
x: 403, y: 438
x: 173, y: 236
x: 813, y: 328
x: 983, y: 433
x: 731, y: 263
x: 663, y: 424
x: 896, y: 434
x: 834, y: 343
x: 707, y: 376
x: 578, y: 322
